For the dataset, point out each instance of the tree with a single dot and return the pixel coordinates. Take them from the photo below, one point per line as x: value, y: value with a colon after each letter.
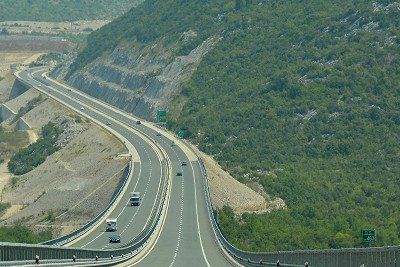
x: 239, y: 4
x: 4, y: 31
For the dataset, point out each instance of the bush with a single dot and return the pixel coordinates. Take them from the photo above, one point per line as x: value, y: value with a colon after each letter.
x: 35, y: 154
x: 22, y: 234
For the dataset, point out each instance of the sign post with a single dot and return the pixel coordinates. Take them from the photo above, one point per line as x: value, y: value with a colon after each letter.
x: 368, y: 235
x: 161, y: 117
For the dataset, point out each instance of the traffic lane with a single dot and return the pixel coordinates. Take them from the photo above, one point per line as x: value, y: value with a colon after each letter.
x: 101, y: 228
x: 101, y: 242
x: 179, y: 244
x: 205, y: 216
x: 211, y: 247
x: 134, y: 225
x: 130, y: 219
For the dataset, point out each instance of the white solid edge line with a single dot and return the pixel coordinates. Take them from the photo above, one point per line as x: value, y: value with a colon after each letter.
x: 117, y: 134
x: 197, y: 217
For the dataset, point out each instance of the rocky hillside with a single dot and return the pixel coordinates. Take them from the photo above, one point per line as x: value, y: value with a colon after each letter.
x: 300, y: 97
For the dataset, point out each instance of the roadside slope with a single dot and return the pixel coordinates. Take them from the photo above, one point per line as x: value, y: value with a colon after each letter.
x: 86, y: 168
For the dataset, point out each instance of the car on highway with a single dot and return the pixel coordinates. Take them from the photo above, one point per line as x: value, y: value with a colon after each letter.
x: 184, y: 163
x: 111, y: 225
x: 158, y: 134
x: 138, y: 122
x: 115, y: 239
x: 178, y: 174
x: 108, y: 123
x: 135, y: 199
x: 82, y: 108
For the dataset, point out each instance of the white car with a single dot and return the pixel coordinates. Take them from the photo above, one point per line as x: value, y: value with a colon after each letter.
x: 82, y: 108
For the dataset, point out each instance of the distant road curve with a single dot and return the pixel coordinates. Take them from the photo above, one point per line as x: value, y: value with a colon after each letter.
x: 187, y: 237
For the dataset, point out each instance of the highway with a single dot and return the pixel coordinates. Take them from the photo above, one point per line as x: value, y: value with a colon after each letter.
x: 187, y: 237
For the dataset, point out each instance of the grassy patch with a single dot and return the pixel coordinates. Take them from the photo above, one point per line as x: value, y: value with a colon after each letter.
x: 4, y: 206
x: 35, y: 154
x: 22, y: 234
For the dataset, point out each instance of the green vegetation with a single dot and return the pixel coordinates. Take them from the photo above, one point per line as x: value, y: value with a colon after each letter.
x: 54, y: 10
x: 35, y: 154
x: 22, y: 234
x: 4, y: 31
x: 47, y: 59
x: 4, y: 206
x: 300, y: 96
x: 50, y: 217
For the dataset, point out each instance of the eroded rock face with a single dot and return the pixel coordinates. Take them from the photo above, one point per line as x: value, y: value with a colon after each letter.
x: 140, y: 79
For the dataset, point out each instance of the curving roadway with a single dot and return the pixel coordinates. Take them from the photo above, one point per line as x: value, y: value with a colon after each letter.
x: 187, y: 237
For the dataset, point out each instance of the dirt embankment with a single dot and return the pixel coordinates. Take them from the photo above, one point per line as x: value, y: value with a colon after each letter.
x: 86, y: 168
x: 227, y: 191
x: 8, y: 61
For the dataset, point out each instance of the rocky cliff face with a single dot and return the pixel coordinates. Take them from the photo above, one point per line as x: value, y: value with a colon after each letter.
x: 139, y: 79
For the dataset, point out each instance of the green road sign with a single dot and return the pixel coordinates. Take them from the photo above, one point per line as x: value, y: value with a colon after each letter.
x: 161, y: 117
x: 368, y: 235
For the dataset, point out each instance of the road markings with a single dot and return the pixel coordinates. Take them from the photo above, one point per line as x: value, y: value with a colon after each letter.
x: 197, y: 217
x: 123, y: 124
x: 180, y: 224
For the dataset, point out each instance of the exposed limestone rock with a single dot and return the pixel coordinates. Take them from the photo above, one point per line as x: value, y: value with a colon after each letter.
x: 139, y: 79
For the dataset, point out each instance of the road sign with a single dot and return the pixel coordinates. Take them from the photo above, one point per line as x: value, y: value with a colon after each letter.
x: 161, y: 117
x: 368, y: 235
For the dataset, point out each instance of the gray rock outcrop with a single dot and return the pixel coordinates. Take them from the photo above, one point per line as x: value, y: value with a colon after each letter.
x: 139, y: 79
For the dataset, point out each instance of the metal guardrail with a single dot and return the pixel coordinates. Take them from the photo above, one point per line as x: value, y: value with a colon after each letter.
x: 79, y: 232
x: 381, y: 256
x: 15, y: 254
x: 60, y: 241
x: 351, y: 257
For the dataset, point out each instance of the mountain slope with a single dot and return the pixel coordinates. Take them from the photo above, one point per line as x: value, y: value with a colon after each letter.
x: 53, y: 10
x: 299, y: 96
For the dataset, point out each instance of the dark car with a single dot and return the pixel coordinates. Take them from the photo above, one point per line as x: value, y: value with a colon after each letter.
x: 184, y: 163
x: 138, y: 122
x: 158, y: 134
x: 115, y: 239
x: 178, y: 174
